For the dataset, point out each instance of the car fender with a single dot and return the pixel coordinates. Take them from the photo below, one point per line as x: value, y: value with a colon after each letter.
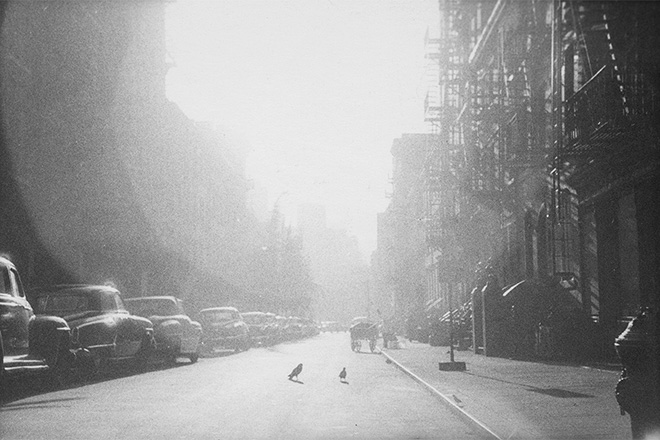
x: 50, y: 338
x: 145, y: 323
x: 2, y: 360
x: 168, y: 331
x: 97, y: 331
x: 166, y: 323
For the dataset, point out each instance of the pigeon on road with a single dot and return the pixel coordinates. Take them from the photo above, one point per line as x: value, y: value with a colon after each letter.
x: 296, y: 371
x: 342, y: 375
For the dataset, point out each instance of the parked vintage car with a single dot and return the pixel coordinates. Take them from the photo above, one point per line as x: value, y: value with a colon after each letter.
x: 294, y: 328
x: 223, y: 329
x: 262, y: 329
x: 175, y: 333
x: 99, y: 321
x: 29, y: 343
x: 281, y: 326
x: 273, y: 325
x: 310, y: 328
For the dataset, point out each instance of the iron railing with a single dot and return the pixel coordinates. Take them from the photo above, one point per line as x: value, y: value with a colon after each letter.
x: 606, y: 106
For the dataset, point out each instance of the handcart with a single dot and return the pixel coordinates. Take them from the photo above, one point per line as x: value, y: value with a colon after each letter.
x: 363, y: 331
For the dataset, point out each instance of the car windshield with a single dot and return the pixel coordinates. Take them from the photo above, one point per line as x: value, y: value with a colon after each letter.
x: 151, y: 307
x: 253, y: 318
x: 219, y: 316
x: 456, y: 201
x: 66, y: 304
x: 4, y: 280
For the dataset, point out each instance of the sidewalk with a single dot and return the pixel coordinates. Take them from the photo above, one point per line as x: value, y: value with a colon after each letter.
x: 519, y: 399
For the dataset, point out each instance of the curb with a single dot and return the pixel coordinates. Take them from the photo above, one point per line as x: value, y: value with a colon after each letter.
x: 481, y: 429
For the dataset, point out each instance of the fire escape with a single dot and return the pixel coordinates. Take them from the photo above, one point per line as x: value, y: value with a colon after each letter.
x: 462, y: 172
x: 606, y: 96
x: 445, y: 162
x: 505, y: 119
x: 607, y: 89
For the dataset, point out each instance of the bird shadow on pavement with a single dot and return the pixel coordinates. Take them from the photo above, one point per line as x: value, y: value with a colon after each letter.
x: 297, y: 381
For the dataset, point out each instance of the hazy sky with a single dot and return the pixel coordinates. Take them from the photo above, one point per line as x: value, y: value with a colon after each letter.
x: 318, y: 89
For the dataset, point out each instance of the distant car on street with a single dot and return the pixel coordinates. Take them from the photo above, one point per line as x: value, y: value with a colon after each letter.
x: 310, y: 327
x: 99, y: 321
x: 261, y: 326
x: 330, y: 326
x: 294, y: 328
x: 175, y: 333
x: 28, y: 343
x: 274, y: 327
x: 223, y: 329
x: 281, y: 324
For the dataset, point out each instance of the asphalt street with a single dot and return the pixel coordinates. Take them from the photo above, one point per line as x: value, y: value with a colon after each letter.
x: 243, y: 396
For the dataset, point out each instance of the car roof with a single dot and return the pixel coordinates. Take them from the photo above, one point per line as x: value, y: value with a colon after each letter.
x: 6, y: 262
x: 252, y: 313
x: 151, y: 298
x: 219, y: 309
x: 361, y: 319
x: 76, y: 288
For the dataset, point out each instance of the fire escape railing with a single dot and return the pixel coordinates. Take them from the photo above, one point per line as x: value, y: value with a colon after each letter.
x: 605, y: 107
x: 595, y: 112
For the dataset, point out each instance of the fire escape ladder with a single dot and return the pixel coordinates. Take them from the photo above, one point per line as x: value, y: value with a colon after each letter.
x: 614, y: 60
x: 557, y: 124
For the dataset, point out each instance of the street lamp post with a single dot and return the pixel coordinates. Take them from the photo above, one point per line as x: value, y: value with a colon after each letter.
x: 452, y: 365
x: 451, y: 326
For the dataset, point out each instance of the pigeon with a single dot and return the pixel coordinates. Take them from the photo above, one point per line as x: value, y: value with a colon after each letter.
x: 296, y: 371
x: 342, y: 375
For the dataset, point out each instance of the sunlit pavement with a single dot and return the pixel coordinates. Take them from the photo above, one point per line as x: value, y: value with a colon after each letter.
x: 245, y: 395
x: 519, y: 399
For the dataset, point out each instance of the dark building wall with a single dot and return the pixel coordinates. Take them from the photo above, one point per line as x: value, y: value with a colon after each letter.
x: 647, y: 194
x: 560, y: 121
x: 61, y: 61
x: 614, y: 156
x: 104, y: 179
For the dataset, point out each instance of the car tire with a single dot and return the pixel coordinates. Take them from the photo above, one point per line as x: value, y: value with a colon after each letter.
x: 194, y: 357
x: 2, y: 365
x: 171, y: 358
x: 62, y: 373
x: 87, y: 365
x: 146, y: 351
x: 207, y: 350
x: 241, y: 346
